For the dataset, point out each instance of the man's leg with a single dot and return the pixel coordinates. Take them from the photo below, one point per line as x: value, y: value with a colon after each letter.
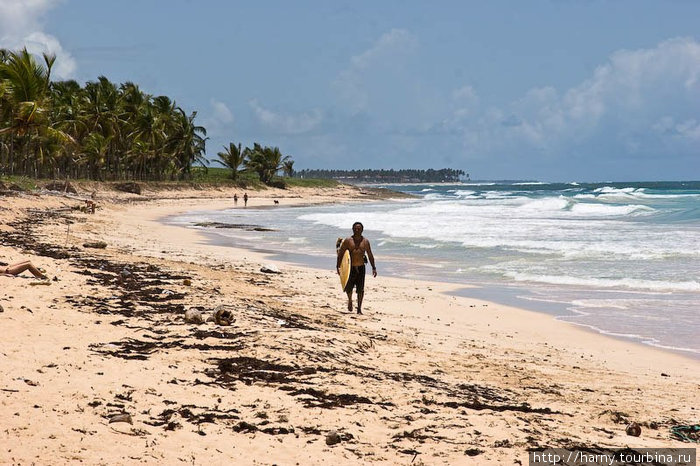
x: 360, y: 288
x: 350, y: 300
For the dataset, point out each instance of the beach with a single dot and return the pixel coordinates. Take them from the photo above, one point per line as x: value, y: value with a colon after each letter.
x: 100, y: 366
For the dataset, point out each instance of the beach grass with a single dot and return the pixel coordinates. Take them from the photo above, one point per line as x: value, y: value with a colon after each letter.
x: 211, y: 177
x: 311, y: 182
x: 24, y: 182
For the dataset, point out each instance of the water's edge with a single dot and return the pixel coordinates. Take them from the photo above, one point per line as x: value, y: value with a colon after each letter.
x: 515, y: 296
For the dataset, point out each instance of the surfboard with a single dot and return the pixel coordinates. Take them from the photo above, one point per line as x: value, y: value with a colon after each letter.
x: 345, y: 269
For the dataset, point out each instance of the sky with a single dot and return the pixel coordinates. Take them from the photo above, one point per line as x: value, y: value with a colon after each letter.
x: 549, y: 90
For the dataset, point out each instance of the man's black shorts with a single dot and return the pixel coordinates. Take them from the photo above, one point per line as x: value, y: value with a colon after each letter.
x: 356, y: 279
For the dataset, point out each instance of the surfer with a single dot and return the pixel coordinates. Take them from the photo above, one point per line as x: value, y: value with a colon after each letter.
x: 358, y: 246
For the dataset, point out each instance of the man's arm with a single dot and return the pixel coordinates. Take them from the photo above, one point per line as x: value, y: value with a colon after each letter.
x: 370, y: 256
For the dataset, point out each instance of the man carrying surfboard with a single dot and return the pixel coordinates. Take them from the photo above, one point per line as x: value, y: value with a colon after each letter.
x: 357, y: 246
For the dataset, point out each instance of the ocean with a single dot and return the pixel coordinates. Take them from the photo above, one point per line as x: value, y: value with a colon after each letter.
x: 621, y: 259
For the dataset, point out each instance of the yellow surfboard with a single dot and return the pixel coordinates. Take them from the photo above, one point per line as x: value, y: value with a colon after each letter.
x: 345, y: 269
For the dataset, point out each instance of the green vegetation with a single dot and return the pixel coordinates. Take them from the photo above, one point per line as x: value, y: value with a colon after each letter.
x: 22, y: 182
x: 232, y: 158
x: 222, y: 177
x: 447, y: 175
x: 311, y: 182
x: 101, y: 131
x: 104, y: 131
x: 265, y: 161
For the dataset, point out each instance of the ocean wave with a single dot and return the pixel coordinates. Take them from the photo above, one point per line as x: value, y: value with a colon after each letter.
x: 614, y: 195
x: 647, y: 340
x: 547, y: 204
x: 464, y: 193
x: 625, y: 283
x: 497, y: 195
x: 435, y: 196
x: 423, y: 246
x: 612, y: 190
x: 598, y: 303
x: 604, y: 210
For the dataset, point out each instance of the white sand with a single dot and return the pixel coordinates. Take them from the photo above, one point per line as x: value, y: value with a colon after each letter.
x: 422, y: 374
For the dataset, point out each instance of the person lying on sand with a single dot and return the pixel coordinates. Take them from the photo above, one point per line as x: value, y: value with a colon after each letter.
x: 19, y: 267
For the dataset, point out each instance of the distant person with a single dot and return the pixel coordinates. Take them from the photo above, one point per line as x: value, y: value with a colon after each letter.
x: 19, y: 267
x: 358, y: 246
x: 245, y: 200
x: 235, y: 199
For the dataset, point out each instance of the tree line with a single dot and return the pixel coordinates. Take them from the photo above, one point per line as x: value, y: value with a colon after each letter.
x: 99, y: 131
x: 104, y: 131
x: 448, y: 175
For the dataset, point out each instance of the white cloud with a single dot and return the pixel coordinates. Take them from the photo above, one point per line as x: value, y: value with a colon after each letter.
x: 19, y: 16
x: 221, y: 112
x: 638, y: 80
x: 21, y: 26
x: 636, y: 95
x: 354, y: 84
x: 464, y: 106
x: 286, y: 124
x: 390, y: 43
x: 465, y: 94
x: 668, y: 127
x: 218, y: 120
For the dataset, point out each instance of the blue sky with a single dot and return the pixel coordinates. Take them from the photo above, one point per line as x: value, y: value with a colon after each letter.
x: 557, y: 90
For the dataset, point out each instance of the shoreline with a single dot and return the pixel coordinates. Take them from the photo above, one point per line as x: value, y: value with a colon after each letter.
x: 447, y: 288
x: 491, y: 292
x: 422, y: 375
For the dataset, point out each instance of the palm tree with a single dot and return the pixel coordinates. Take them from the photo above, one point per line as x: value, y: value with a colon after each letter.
x: 26, y: 84
x: 232, y: 158
x: 26, y: 91
x: 288, y: 167
x: 101, y: 130
x: 95, y: 150
x: 186, y: 142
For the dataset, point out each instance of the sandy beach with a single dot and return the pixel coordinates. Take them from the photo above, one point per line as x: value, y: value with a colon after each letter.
x: 100, y: 367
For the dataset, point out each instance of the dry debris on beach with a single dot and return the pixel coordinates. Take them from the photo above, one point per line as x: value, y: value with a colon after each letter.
x: 151, y: 347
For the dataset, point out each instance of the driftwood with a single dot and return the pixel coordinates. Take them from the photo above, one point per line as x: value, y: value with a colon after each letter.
x: 124, y: 417
x: 95, y: 244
